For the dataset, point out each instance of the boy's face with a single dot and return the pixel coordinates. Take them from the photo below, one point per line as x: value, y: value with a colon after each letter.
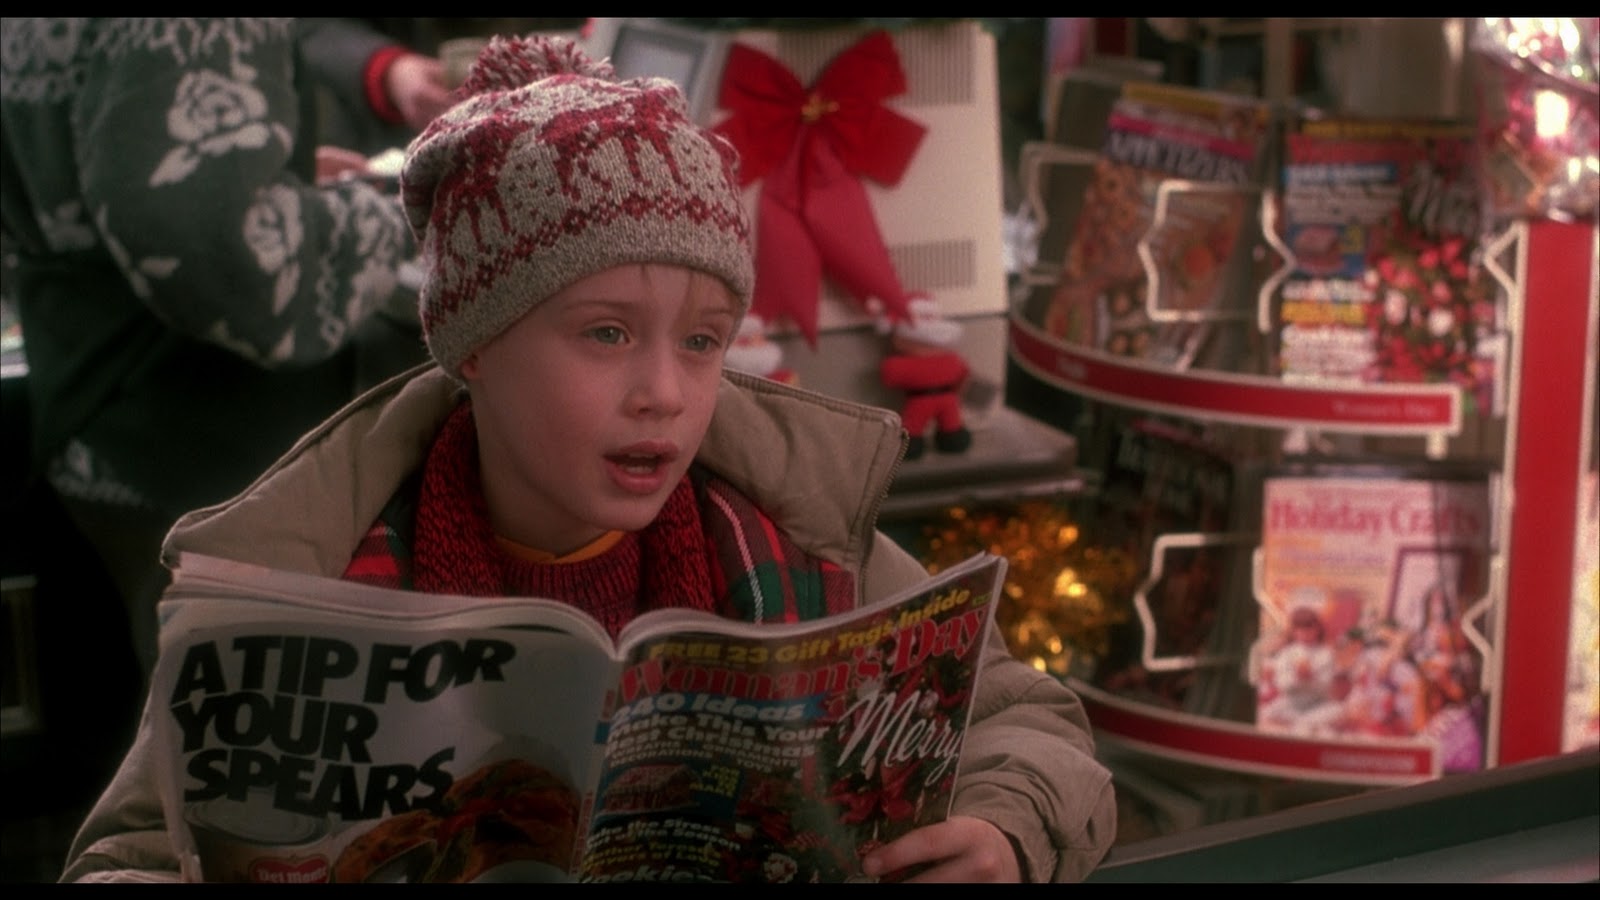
x: 591, y: 407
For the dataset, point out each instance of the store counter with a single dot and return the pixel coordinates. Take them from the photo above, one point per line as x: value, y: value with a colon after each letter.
x: 1536, y: 821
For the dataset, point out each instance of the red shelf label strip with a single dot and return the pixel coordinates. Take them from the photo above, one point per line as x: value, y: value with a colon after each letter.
x: 1239, y: 747
x: 1248, y: 400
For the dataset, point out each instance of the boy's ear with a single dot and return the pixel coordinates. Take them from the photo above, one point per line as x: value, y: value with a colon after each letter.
x: 469, y: 367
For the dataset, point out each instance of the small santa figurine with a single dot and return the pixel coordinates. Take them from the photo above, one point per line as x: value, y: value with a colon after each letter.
x: 924, y: 366
x: 756, y: 354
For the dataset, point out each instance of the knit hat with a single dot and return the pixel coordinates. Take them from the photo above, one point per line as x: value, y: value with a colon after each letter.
x: 548, y: 170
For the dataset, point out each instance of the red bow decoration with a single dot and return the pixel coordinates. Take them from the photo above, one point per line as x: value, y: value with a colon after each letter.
x: 813, y: 146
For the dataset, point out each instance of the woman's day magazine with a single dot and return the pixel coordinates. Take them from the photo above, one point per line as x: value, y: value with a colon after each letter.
x: 323, y: 730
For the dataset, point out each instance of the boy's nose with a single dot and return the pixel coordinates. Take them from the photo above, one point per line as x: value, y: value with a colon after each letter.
x: 657, y: 387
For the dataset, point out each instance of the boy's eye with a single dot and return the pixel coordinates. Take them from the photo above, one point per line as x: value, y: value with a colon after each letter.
x: 607, y: 334
x: 702, y: 343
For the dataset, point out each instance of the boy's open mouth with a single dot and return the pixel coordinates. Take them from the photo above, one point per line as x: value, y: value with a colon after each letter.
x: 637, y: 463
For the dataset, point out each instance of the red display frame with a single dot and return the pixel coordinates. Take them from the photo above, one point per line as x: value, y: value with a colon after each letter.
x: 1554, y: 369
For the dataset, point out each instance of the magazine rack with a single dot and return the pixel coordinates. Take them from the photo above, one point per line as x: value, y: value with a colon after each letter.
x: 1548, y: 379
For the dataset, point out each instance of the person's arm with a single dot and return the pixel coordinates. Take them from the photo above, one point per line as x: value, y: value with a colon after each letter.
x: 337, y: 53
x: 188, y: 160
x: 407, y: 88
x: 370, y: 72
x: 124, y: 837
x: 1029, y: 767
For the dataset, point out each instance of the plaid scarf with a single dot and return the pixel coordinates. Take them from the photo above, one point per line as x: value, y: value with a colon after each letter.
x: 709, y: 548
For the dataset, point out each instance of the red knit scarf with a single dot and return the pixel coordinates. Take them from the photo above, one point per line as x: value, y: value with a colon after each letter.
x: 665, y: 565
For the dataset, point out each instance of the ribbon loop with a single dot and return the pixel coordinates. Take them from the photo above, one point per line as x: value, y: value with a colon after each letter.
x: 813, y: 146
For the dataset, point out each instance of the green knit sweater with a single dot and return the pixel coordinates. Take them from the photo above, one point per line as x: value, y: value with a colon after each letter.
x: 189, y: 298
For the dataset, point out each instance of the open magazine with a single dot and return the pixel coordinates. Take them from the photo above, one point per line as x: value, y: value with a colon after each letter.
x: 323, y: 730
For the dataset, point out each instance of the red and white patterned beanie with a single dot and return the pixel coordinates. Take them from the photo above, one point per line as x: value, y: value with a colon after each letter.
x: 549, y: 170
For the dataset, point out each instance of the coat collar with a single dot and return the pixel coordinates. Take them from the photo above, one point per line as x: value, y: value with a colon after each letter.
x: 818, y: 465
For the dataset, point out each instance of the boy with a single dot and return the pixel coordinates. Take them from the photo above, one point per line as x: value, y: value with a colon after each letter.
x: 588, y: 263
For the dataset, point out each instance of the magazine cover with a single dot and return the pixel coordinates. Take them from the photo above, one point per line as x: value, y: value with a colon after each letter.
x: 324, y: 731
x: 1366, y: 578
x: 1161, y: 476
x: 1195, y: 239
x: 1378, y: 223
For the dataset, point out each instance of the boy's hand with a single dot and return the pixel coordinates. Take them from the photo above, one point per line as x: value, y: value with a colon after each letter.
x: 959, y: 849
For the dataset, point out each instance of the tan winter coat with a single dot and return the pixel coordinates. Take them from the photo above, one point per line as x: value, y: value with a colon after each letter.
x: 818, y: 465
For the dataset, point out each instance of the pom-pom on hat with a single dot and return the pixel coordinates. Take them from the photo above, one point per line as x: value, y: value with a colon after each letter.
x: 548, y: 170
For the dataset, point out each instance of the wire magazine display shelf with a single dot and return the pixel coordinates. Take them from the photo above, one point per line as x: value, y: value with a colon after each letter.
x: 1546, y: 271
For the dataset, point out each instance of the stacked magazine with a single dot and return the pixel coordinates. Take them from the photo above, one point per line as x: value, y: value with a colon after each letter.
x: 319, y: 730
